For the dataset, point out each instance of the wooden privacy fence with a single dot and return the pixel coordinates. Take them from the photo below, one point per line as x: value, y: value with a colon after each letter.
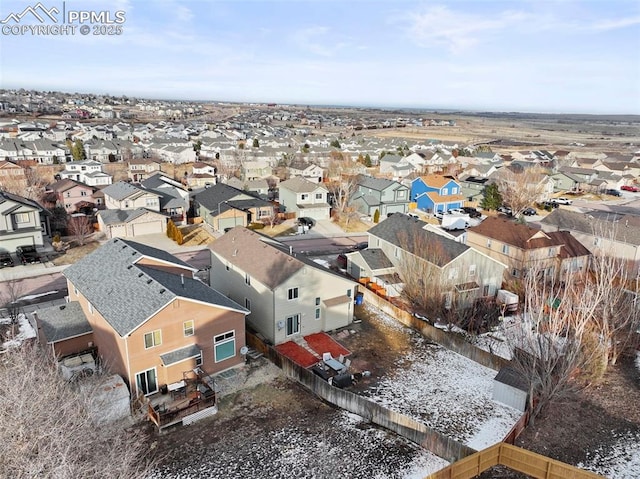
x: 515, y: 458
x: 444, y: 338
x: 432, y: 440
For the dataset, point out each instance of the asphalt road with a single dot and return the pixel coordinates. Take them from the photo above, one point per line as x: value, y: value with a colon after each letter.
x: 322, y: 245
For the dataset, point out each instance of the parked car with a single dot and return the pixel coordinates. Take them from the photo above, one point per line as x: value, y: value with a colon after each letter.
x: 455, y: 211
x: 505, y: 209
x: 438, y: 214
x: 472, y: 212
x: 613, y: 192
x: 529, y: 211
x: 306, y: 221
x: 28, y: 255
x: 561, y: 201
x: 549, y: 205
x: 635, y: 189
x: 360, y: 246
x: 5, y: 260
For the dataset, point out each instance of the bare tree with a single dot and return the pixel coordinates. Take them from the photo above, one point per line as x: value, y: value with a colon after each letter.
x: 80, y: 228
x: 30, y: 185
x: 10, y: 293
x: 47, y: 431
x: 554, y: 347
x: 520, y: 188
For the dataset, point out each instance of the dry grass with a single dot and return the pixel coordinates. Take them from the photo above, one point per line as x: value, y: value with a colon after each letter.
x: 195, y: 235
x: 74, y: 254
x: 354, y: 226
x: 283, y: 229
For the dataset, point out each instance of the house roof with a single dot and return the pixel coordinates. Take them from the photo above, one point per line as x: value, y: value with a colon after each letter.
x: 127, y: 294
x: 300, y: 185
x: 512, y: 233
x: 436, y: 181
x: 623, y: 228
x: 247, y: 250
x: 4, y: 196
x: 513, y: 378
x: 180, y: 355
x: 66, y: 184
x: 215, y: 197
x: 571, y: 247
x: 63, y: 322
x: 409, y: 234
x: 114, y: 217
x: 378, y: 184
x: 375, y: 258
x: 122, y: 190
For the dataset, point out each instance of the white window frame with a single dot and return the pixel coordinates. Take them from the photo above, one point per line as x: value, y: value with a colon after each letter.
x: 155, y: 373
x: 505, y: 249
x: 221, y: 339
x: 153, y: 338
x: 198, y: 359
x: 293, y: 293
x: 247, y: 279
x: 319, y: 196
x: 19, y: 218
x: 185, y: 329
x: 295, y: 328
x: 472, y: 270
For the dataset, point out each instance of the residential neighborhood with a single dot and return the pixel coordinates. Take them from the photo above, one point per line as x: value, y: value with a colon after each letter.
x: 187, y: 254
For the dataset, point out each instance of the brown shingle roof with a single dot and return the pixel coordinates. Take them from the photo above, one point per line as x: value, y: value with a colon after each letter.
x: 511, y: 233
x: 246, y: 250
x: 436, y: 181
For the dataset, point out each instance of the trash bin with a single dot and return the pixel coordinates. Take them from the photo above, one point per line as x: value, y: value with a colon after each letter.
x: 359, y: 299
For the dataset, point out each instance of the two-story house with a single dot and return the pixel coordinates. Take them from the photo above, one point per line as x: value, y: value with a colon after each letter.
x: 202, y: 175
x: 305, y: 198
x: 436, y: 193
x: 141, y: 169
x: 385, y: 196
x: 125, y: 196
x: 72, y: 195
x: 288, y: 296
x: 522, y: 248
x: 88, y: 172
x: 308, y: 171
x: 221, y: 206
x: 601, y: 232
x: 151, y: 320
x: 20, y: 222
x: 405, y: 252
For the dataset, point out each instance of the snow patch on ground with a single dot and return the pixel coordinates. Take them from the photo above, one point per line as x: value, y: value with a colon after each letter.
x: 25, y: 331
x: 445, y: 391
x: 622, y: 461
x: 35, y: 296
x: 322, y: 262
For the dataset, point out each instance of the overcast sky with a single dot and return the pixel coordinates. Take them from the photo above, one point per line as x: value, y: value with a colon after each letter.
x: 537, y: 56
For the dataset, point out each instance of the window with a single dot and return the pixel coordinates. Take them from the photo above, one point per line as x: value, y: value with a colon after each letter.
x: 319, y: 196
x: 304, y: 196
x: 21, y: 217
x: 151, y: 201
x: 472, y: 270
x: 226, y: 266
x: 147, y: 382
x: 224, y: 346
x: 154, y: 338
x: 597, y: 241
x: 551, y: 252
x: 505, y: 248
x: 485, y: 290
x: 198, y: 359
x: 515, y: 273
x: 317, y: 313
x: 83, y: 193
x: 445, y: 191
x: 293, y: 324
x: 247, y: 279
x: 126, y: 204
x: 293, y: 293
x: 489, y: 243
x: 263, y: 214
x: 188, y: 327
x: 454, y: 191
x: 396, y: 253
x: 349, y: 293
x: 67, y: 194
x: 247, y: 303
x: 401, y: 194
x: 318, y: 301
x: 453, y: 273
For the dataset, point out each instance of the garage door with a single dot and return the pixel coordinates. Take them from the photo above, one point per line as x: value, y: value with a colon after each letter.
x: 321, y: 213
x: 117, y: 231
x: 149, y: 228
x: 229, y: 222
x: 10, y: 244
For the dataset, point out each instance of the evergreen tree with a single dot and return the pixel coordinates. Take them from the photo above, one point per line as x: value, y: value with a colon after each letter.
x: 491, y: 198
x: 376, y: 216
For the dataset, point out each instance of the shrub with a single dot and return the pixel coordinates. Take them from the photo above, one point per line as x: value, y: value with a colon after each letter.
x: 255, y: 226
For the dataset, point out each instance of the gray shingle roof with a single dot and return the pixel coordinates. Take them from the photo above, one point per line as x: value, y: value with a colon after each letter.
x: 407, y: 233
x: 376, y: 259
x: 180, y: 355
x: 63, y: 322
x: 113, y: 217
x: 127, y: 294
x: 378, y: 184
x: 121, y: 190
x: 300, y: 185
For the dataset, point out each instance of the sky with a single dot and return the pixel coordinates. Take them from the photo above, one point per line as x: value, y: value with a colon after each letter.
x: 554, y: 56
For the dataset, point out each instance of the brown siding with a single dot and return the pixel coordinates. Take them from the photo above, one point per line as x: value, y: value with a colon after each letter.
x: 73, y: 345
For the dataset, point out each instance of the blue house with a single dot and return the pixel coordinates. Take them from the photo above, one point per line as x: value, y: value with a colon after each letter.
x: 436, y: 193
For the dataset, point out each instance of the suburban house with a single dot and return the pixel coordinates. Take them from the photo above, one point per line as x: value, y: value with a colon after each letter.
x: 12, y: 175
x: 140, y: 169
x: 436, y: 193
x: 288, y: 296
x: 304, y: 198
x: 601, y: 232
x: 88, y: 172
x: 308, y: 171
x: 173, y: 196
x: 72, y: 195
x: 202, y: 175
x: 257, y: 187
x: 472, y: 188
x: 385, y: 196
x: 21, y: 222
x: 522, y: 248
x: 222, y: 206
x: 401, y: 249
x: 255, y: 169
x: 175, y: 324
x: 125, y: 196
